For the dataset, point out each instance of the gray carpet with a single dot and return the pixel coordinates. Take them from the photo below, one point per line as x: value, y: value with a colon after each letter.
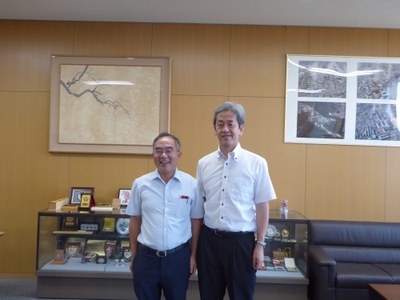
x: 18, y: 289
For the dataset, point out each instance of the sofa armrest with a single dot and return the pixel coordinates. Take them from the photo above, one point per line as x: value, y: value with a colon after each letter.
x: 322, y: 273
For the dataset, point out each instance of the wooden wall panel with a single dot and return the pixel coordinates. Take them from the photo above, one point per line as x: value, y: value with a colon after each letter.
x: 112, y: 39
x: 345, y: 183
x: 192, y: 123
x: 392, y: 203
x: 394, y: 43
x: 200, y: 57
x: 257, y: 67
x: 348, y: 41
x: 29, y: 176
x: 25, y: 51
x: 297, y: 40
x: 108, y: 173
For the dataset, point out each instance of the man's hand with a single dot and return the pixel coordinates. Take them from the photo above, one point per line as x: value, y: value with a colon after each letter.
x: 258, y: 258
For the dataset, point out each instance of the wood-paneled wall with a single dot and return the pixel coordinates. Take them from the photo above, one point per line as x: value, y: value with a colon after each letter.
x: 210, y: 64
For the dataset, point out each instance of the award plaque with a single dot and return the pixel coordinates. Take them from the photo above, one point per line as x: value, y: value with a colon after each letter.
x: 90, y: 257
x: 122, y: 226
x: 70, y: 223
x: 72, y: 249
x: 127, y: 253
x: 271, y: 231
x: 278, y: 254
x: 59, y: 257
x: 109, y: 248
x: 94, y: 247
x: 109, y: 225
x: 89, y: 227
x: 100, y: 259
x: 87, y: 201
x: 288, y: 252
x: 80, y: 240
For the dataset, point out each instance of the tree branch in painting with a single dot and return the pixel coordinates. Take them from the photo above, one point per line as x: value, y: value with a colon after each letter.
x: 74, y: 87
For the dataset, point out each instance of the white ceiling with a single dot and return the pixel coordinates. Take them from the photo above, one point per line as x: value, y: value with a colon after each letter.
x: 336, y: 13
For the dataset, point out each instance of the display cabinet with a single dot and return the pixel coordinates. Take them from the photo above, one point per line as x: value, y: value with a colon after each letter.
x: 85, y: 255
x: 286, y: 249
x: 89, y: 250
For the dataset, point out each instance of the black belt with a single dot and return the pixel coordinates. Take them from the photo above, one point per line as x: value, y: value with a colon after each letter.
x: 162, y: 253
x: 225, y: 233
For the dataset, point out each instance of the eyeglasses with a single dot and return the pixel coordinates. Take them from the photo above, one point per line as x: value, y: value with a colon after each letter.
x: 167, y: 151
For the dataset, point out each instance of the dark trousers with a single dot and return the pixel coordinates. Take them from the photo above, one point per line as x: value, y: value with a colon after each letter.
x: 154, y: 276
x: 224, y: 261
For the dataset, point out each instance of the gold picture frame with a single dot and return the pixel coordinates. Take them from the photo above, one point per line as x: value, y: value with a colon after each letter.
x: 108, y: 105
x: 86, y: 201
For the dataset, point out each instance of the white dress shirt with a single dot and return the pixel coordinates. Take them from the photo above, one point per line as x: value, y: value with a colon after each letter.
x: 166, y: 209
x: 231, y: 186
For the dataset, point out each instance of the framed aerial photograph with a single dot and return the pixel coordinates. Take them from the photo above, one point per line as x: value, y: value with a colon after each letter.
x: 108, y: 105
x: 342, y: 100
x: 75, y: 195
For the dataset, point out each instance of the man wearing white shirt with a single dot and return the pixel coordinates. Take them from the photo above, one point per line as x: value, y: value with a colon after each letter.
x: 164, y: 226
x: 236, y: 188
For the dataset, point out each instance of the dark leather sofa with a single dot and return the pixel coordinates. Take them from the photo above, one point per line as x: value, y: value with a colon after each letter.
x: 346, y: 256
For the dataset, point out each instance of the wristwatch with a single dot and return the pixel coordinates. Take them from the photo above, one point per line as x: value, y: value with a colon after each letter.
x: 261, y: 243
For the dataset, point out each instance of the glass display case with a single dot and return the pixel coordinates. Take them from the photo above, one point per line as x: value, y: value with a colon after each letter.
x: 286, y: 249
x: 83, y: 248
x: 91, y: 250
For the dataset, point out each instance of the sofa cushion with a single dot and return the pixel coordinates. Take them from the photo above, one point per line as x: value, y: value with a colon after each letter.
x: 362, y: 254
x: 358, y: 234
x: 392, y: 269
x: 359, y: 276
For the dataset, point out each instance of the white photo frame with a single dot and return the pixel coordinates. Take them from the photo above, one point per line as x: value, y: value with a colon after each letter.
x: 342, y: 100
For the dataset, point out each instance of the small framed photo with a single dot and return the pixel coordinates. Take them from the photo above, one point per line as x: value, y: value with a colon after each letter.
x: 75, y: 196
x: 124, y: 195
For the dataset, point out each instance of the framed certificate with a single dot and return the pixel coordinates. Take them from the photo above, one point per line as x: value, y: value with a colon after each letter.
x: 75, y: 196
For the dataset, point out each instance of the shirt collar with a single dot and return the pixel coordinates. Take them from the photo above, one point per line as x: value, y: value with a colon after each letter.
x: 234, y: 154
x: 155, y: 175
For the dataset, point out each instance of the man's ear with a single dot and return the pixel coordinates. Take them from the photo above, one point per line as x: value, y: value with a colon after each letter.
x: 241, y: 129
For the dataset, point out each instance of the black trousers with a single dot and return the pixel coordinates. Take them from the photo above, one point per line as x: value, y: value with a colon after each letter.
x: 224, y: 261
x: 154, y: 276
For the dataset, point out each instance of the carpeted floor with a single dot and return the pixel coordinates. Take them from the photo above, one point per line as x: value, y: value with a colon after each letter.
x: 18, y: 289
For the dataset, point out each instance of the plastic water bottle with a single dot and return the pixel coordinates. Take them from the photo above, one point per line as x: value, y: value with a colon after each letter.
x: 284, y: 209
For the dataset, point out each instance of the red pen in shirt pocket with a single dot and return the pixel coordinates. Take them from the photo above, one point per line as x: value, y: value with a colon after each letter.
x: 184, y: 197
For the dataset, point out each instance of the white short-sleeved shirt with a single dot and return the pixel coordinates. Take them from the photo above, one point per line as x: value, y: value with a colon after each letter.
x: 166, y: 209
x: 230, y: 188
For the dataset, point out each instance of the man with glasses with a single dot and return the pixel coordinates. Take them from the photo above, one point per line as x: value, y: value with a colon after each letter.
x: 164, y: 226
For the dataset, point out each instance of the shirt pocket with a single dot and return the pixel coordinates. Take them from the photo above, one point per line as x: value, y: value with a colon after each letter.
x: 243, y: 190
x: 182, y: 207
